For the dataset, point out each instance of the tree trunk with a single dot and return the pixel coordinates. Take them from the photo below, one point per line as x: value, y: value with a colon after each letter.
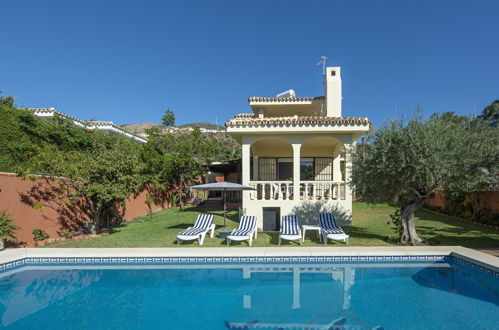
x: 407, y: 209
x: 96, y: 209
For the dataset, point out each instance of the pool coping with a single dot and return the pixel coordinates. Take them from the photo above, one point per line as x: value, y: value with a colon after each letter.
x: 466, y: 256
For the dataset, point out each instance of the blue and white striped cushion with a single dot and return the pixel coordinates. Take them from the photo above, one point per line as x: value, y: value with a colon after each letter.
x: 328, y: 224
x: 333, y: 230
x: 203, y: 223
x: 246, y: 226
x: 290, y: 225
x: 326, y: 221
x: 192, y: 231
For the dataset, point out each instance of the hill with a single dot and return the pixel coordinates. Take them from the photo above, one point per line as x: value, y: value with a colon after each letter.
x: 204, y: 125
x: 141, y: 127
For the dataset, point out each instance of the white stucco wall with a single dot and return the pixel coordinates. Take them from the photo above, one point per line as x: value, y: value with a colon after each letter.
x: 306, y: 210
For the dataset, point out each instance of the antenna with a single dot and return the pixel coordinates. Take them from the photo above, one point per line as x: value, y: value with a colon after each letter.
x: 323, y: 62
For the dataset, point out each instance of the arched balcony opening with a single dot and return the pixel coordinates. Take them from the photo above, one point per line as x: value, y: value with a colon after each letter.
x: 297, y: 169
x: 322, y: 169
x: 271, y: 168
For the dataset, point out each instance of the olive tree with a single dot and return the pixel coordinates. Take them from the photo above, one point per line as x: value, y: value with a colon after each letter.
x: 406, y: 161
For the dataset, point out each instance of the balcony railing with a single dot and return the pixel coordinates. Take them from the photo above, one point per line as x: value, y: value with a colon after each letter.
x: 309, y: 190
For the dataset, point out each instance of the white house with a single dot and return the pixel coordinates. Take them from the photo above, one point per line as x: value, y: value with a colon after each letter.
x: 107, y: 126
x: 296, y: 153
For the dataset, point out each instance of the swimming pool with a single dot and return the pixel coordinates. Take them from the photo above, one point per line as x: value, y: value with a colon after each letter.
x: 434, y: 292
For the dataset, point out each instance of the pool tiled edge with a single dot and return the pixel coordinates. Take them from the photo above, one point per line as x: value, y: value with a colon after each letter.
x: 14, y: 258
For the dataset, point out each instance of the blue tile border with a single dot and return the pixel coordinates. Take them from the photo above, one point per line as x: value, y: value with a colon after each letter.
x: 476, y: 266
x: 56, y: 261
x: 95, y: 261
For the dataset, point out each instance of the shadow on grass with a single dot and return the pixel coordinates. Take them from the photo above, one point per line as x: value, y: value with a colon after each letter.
x: 362, y: 233
x: 313, y: 237
x: 214, y: 210
x: 469, y: 242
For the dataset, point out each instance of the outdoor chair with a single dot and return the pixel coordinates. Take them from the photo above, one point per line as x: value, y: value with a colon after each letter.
x: 329, y: 229
x: 245, y: 231
x: 290, y: 230
x: 201, y: 227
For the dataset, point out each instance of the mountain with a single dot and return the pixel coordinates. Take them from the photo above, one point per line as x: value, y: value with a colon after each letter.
x: 204, y: 125
x: 141, y: 127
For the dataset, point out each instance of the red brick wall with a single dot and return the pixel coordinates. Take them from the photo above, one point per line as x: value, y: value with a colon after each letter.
x: 437, y: 199
x: 54, y: 216
x: 488, y: 199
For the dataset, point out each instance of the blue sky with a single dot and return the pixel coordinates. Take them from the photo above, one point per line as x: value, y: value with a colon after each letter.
x: 127, y: 61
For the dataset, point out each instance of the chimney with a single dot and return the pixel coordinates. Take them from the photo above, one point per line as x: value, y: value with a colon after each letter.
x: 333, y: 92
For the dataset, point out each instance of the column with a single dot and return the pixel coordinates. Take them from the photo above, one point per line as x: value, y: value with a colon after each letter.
x: 296, y: 171
x: 337, y: 168
x: 348, y: 166
x: 336, y: 189
x: 255, y: 168
x: 245, y: 163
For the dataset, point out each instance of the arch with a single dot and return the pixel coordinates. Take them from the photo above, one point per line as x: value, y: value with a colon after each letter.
x: 271, y: 146
x: 321, y: 146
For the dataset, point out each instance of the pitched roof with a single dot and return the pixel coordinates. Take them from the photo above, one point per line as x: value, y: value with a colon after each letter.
x: 285, y: 99
x: 250, y: 120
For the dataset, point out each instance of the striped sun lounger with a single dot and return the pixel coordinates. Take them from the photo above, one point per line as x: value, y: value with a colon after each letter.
x: 329, y: 229
x: 245, y: 231
x: 290, y: 230
x: 201, y: 227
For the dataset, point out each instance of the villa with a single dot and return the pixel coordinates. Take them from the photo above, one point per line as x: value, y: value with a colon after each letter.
x: 296, y: 154
x: 106, y: 126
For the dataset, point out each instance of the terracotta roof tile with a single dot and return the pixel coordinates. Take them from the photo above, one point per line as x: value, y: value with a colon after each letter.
x: 285, y: 99
x: 250, y: 120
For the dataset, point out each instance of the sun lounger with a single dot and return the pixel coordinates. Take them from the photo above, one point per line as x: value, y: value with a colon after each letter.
x: 329, y: 229
x: 201, y: 227
x: 290, y: 230
x: 245, y: 231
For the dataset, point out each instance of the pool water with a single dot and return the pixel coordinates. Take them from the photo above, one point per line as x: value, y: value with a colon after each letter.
x: 387, y: 296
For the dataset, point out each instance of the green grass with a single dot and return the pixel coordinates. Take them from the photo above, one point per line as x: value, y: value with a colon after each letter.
x: 369, y: 228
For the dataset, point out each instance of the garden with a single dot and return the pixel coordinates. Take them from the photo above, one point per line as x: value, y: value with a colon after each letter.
x: 371, y: 227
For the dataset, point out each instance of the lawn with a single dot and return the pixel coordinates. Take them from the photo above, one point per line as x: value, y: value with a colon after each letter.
x: 369, y: 228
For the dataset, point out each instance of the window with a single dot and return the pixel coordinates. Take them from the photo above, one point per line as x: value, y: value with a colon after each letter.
x: 307, y: 170
x: 267, y: 169
x: 323, y: 168
x: 285, y: 171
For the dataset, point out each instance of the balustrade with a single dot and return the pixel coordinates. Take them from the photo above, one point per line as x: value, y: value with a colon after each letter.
x: 309, y: 190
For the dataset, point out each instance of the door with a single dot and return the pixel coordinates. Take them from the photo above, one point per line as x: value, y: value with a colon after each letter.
x: 271, y: 216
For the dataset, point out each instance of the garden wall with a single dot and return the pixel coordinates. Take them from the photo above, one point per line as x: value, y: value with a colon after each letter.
x: 488, y: 199
x: 41, y: 210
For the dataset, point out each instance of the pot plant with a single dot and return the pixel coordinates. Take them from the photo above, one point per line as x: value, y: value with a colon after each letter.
x: 7, y: 229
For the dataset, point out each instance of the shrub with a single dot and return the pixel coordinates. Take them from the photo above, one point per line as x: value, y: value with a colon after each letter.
x: 7, y: 228
x: 39, y: 235
x: 489, y: 218
x: 396, y: 221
